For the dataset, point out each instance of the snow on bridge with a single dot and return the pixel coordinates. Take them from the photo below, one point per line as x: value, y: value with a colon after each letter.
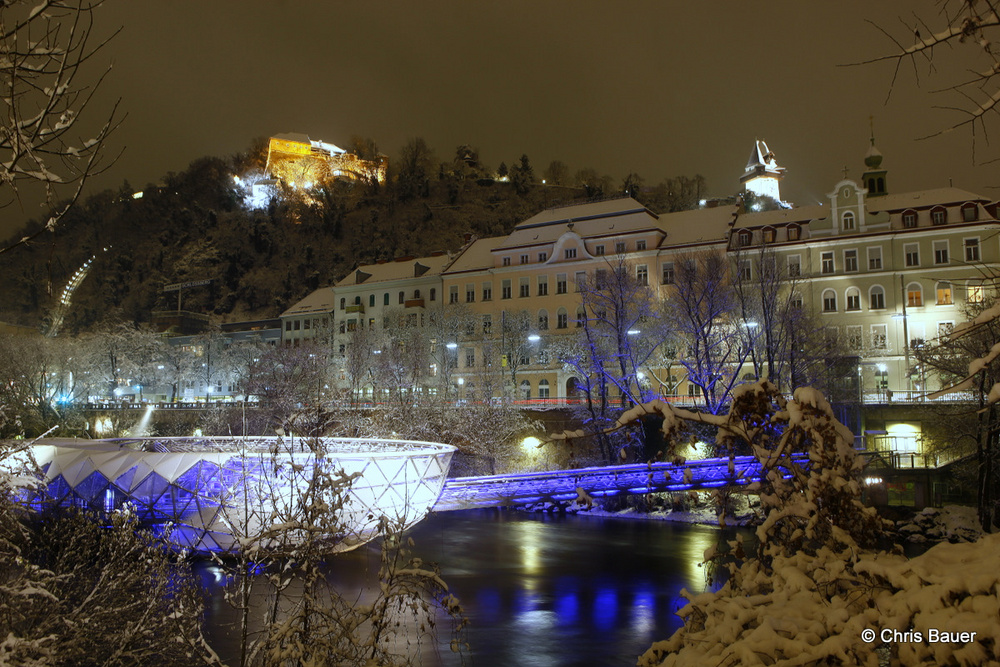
x: 564, y: 486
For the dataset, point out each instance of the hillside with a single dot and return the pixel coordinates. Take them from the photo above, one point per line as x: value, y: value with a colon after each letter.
x: 195, y: 226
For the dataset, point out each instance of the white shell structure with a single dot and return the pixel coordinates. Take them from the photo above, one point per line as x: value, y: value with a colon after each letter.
x: 228, y: 494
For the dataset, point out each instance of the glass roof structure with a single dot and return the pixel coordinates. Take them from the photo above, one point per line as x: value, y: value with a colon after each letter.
x: 226, y: 494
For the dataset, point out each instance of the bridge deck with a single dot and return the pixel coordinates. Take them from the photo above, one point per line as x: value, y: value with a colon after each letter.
x: 562, y: 485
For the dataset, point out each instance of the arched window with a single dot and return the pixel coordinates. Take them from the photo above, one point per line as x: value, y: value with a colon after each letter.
x: 880, y: 188
x: 847, y: 221
x: 543, y: 320
x: 829, y: 301
x: 385, y: 299
x: 562, y: 318
x: 416, y: 294
x: 543, y: 388
x: 581, y: 316
x: 914, y: 295
x: 371, y: 300
x: 853, y: 295
x: 876, y: 298
x: 943, y: 290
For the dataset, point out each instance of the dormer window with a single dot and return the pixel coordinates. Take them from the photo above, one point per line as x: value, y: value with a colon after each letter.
x: 909, y: 219
x: 793, y: 232
x: 743, y: 238
x: 939, y: 215
x: 569, y: 253
x: 768, y: 234
x: 970, y: 212
x: 847, y: 221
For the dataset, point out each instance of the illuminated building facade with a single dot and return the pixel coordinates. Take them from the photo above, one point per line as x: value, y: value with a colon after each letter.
x: 302, y: 162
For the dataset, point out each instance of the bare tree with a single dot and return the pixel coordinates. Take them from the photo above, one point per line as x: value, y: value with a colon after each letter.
x: 972, y: 23
x: 44, y: 49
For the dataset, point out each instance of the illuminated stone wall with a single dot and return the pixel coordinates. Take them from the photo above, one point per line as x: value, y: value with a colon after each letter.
x: 307, y: 164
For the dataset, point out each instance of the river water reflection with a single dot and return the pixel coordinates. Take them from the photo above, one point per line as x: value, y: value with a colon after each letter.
x: 545, y: 590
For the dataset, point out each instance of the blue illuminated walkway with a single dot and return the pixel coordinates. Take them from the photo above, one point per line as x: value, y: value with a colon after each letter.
x: 561, y: 486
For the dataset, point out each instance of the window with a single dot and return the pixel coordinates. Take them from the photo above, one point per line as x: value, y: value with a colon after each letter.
x: 506, y: 261
x: 560, y: 283
x: 542, y: 256
x: 305, y: 324
x: 562, y: 319
x: 543, y: 320
x: 288, y: 325
x: 453, y: 294
x: 569, y: 253
x: 619, y: 247
x: 796, y: 301
x: 793, y: 232
x: 523, y: 288
x: 487, y: 324
x: 876, y: 298
x: 505, y: 289
x: 914, y: 295
x: 939, y: 215
x: 642, y: 274
x: 826, y: 262
x: 470, y: 293
x: 975, y: 293
x: 972, y: 250
x: 794, y: 266
x: 855, y: 340
x: 945, y: 329
x: 940, y: 252
x: 851, y: 261
x: 640, y: 245
x: 581, y: 316
x: 743, y: 238
x: 543, y: 389
x: 524, y: 259
x: 746, y: 270
x: 543, y: 285
x: 402, y: 297
x: 853, y: 295
x: 917, y: 335
x: 847, y: 221
x: 909, y: 219
x: 768, y: 234
x: 470, y: 357
x: 875, y: 259
x: 487, y: 291
x: 668, y: 273
x: 829, y: 301
x: 343, y: 303
x: 599, y: 250
x: 579, y: 279
x: 371, y: 299
x: 970, y: 212
x: 911, y: 254
x: 879, y: 337
x: 943, y: 294
x: 434, y: 294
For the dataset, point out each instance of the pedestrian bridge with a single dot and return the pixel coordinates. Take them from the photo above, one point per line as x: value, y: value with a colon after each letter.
x: 565, y: 486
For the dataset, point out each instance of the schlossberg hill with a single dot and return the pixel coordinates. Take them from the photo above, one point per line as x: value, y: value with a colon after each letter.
x: 197, y: 225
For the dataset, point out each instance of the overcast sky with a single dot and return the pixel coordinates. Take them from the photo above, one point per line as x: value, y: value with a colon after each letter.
x: 659, y: 88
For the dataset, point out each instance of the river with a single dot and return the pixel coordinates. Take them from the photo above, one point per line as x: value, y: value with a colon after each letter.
x: 539, y: 590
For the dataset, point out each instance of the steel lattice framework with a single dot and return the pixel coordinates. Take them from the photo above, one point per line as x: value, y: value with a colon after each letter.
x: 215, y: 494
x: 563, y: 486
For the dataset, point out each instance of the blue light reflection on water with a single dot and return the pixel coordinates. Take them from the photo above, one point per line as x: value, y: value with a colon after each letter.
x: 548, y: 591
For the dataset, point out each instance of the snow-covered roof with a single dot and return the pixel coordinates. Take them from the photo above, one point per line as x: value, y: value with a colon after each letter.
x: 402, y: 268
x: 801, y: 215
x: 477, y: 255
x: 319, y: 301
x: 922, y: 199
x: 604, y: 218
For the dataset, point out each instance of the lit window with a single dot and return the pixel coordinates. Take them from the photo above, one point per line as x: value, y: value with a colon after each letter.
x: 976, y: 294
x: 768, y: 235
x: 944, y: 294
x: 793, y: 232
x: 914, y: 295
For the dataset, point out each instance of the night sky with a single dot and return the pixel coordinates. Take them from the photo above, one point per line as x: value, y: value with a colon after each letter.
x: 658, y: 88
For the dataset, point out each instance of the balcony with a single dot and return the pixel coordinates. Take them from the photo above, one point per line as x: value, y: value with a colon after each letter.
x: 356, y: 308
x: 413, y: 303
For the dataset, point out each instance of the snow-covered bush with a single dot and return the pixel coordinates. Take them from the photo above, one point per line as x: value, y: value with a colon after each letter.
x: 817, y: 583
